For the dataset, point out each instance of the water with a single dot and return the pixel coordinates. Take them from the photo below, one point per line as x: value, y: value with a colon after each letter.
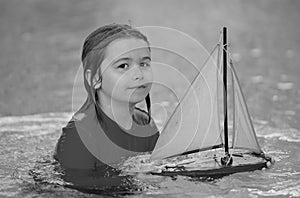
x: 273, y: 96
x: 264, y: 37
x: 27, y: 167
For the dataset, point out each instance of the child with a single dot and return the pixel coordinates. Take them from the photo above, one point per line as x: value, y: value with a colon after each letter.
x: 109, y: 127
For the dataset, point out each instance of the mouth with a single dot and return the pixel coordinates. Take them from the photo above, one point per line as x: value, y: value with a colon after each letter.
x: 139, y: 87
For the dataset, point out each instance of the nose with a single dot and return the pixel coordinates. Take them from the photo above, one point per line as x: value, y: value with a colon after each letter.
x: 138, y: 73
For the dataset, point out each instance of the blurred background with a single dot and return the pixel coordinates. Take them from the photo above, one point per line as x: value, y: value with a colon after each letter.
x: 40, y: 50
x: 41, y: 44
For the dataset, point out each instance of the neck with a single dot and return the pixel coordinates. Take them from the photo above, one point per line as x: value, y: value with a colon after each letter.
x: 119, y: 111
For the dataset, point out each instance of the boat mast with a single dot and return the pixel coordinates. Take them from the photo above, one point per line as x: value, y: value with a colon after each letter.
x: 225, y: 89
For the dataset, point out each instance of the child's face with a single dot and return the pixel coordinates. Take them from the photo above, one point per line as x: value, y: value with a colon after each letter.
x: 126, y: 71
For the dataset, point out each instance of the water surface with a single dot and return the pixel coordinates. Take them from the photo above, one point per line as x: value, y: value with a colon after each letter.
x: 28, y: 170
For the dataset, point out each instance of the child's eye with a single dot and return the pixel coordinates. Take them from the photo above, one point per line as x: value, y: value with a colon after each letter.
x: 123, y: 66
x: 145, y: 64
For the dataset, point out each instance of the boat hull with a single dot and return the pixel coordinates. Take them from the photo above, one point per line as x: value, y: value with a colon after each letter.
x: 202, y: 164
x: 216, y: 172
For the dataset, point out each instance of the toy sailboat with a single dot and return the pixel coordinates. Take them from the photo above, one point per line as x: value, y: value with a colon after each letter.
x: 196, y: 140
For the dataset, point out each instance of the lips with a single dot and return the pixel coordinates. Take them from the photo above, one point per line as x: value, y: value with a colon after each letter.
x: 142, y: 86
x: 139, y: 87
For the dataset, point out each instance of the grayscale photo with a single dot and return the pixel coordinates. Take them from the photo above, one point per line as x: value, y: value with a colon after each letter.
x: 140, y: 98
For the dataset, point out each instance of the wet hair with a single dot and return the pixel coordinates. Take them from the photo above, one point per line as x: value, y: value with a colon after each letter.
x: 94, y: 46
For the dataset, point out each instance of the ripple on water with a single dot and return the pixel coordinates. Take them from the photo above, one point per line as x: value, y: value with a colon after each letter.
x: 28, y: 170
x: 285, y: 134
x: 281, y: 188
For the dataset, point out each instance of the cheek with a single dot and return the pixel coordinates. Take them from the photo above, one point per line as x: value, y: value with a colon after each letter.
x: 148, y: 75
x: 114, y: 84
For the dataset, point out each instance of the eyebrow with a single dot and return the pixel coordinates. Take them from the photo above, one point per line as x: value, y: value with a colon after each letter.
x: 129, y: 59
x: 146, y: 58
x: 122, y: 59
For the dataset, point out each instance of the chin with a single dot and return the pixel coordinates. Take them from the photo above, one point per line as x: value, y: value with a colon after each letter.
x: 137, y: 99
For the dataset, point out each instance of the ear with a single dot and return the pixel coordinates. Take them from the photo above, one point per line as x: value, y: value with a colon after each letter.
x: 88, y: 75
x: 97, y: 82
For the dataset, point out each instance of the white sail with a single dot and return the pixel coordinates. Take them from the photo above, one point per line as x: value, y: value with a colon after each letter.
x: 244, y: 135
x: 194, y: 125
